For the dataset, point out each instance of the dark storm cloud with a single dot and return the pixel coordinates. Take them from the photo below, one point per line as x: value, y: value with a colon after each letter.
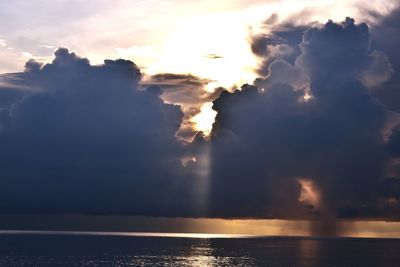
x: 9, y: 96
x: 90, y: 142
x: 386, y: 38
x: 264, y: 141
x: 78, y: 138
x: 326, y: 57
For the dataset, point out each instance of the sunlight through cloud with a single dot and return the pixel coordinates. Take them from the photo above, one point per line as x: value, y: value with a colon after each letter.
x: 205, y: 119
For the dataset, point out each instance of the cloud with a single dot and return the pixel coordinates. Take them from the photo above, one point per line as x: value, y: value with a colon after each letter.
x: 265, y: 142
x: 281, y: 49
x: 326, y: 57
x: 214, y: 56
x: 386, y: 38
x: 98, y: 139
x: 281, y: 71
x: 90, y: 142
x: 187, y: 90
x: 180, y: 88
x: 282, y: 43
x: 378, y: 71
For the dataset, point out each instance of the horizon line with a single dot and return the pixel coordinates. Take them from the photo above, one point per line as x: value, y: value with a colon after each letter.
x: 178, y: 235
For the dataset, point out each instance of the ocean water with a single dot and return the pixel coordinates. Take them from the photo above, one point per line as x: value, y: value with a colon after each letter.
x: 61, y: 249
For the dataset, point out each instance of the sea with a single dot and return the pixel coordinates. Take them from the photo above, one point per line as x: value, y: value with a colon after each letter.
x: 27, y: 248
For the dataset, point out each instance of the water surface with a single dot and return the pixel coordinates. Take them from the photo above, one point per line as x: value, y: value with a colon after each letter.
x: 126, y: 249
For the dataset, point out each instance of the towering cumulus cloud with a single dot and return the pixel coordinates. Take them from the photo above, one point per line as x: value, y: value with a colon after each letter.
x: 83, y: 138
x: 309, y: 142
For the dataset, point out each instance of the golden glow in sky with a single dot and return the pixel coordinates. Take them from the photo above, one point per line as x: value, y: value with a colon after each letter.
x: 200, y: 226
x: 204, y: 120
x: 215, y: 47
x: 206, y: 38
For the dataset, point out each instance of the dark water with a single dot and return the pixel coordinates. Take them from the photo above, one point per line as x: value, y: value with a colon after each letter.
x: 100, y: 250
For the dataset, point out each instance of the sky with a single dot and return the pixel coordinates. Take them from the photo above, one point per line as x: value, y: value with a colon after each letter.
x: 207, y: 39
x: 202, y: 110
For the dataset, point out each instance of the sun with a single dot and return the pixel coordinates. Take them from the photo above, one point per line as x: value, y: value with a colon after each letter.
x: 213, y: 46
